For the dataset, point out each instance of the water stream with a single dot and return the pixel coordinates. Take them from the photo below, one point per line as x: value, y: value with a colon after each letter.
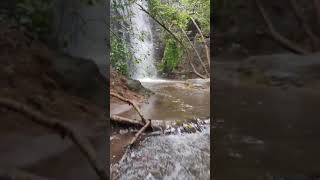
x: 175, y: 156
x: 170, y: 157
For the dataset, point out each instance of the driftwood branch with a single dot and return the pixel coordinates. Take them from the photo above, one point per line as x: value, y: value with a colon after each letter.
x: 130, y: 103
x: 134, y: 140
x: 63, y: 129
x: 204, y: 41
x: 286, y: 43
x: 305, y: 26
x: 148, y: 124
x: 123, y: 120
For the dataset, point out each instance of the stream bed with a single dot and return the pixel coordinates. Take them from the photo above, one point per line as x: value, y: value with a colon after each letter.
x: 174, y: 156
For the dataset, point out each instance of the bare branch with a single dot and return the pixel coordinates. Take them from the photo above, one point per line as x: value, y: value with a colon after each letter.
x: 196, y: 72
x: 307, y: 29
x: 134, y: 140
x: 136, y: 136
x: 62, y: 128
x: 162, y: 25
x: 199, y: 57
x: 276, y: 36
x: 204, y: 41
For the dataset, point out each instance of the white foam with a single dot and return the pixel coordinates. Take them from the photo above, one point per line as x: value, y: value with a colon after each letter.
x: 157, y: 80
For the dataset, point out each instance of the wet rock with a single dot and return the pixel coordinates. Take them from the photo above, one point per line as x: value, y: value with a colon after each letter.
x: 136, y: 86
x: 81, y: 77
x: 123, y: 131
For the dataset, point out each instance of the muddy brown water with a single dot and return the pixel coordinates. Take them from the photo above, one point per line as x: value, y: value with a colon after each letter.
x: 179, y: 156
x: 265, y: 133
x: 174, y: 101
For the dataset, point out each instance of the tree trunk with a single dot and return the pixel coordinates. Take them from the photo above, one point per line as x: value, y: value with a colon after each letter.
x: 63, y: 129
x: 199, y: 57
x: 204, y: 41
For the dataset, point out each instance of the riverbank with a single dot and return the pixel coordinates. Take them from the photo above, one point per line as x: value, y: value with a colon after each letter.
x: 69, y: 89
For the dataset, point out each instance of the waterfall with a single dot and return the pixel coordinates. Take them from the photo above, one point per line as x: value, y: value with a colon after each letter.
x: 137, y: 30
x: 142, y: 43
x: 78, y: 34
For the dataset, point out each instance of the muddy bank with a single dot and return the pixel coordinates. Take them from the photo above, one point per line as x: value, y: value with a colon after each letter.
x: 129, y: 88
x: 69, y: 89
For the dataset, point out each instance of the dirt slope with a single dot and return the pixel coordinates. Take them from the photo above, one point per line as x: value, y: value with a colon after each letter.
x: 28, y: 74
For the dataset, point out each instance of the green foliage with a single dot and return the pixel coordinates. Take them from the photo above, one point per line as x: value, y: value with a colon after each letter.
x: 200, y: 10
x: 172, y: 56
x: 120, y: 54
x: 169, y: 13
x: 179, y: 13
x: 176, y: 15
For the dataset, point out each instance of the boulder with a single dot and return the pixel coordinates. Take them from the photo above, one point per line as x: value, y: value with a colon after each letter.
x: 81, y: 77
x: 135, y: 85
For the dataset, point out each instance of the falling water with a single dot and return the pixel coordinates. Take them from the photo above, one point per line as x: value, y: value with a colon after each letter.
x: 142, y: 43
x: 179, y: 157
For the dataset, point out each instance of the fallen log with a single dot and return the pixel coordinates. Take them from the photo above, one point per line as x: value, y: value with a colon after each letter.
x: 61, y: 128
x: 130, y: 103
x: 123, y: 120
